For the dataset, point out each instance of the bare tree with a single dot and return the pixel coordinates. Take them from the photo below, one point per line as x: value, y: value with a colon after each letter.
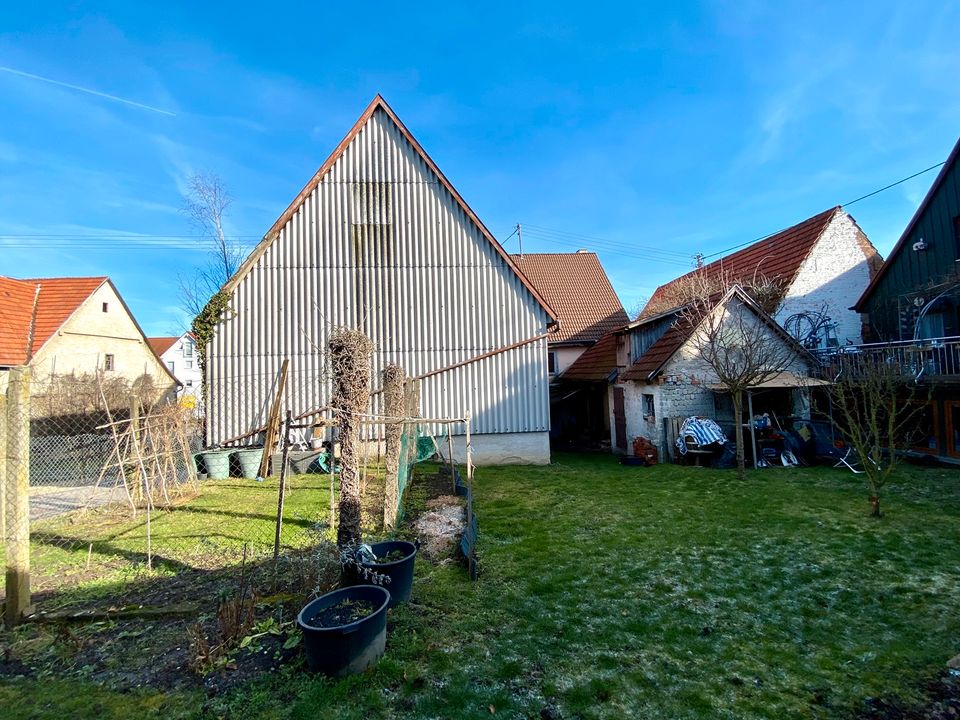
x: 736, y: 341
x: 709, y: 281
x: 205, y: 205
x: 876, y: 401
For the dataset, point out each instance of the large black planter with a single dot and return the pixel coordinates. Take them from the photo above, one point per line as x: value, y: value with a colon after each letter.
x: 400, y: 571
x: 350, y: 648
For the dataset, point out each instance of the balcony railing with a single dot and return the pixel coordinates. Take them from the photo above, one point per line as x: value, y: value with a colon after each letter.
x: 930, y: 358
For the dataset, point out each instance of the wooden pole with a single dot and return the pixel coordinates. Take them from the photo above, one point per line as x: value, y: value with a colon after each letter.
x: 145, y: 484
x: 3, y: 464
x: 273, y: 421
x: 753, y: 432
x: 285, y: 440
x: 18, y: 496
x: 331, y: 458
x: 453, y: 465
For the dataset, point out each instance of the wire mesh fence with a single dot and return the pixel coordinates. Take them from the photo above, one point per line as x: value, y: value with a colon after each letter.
x: 111, y: 499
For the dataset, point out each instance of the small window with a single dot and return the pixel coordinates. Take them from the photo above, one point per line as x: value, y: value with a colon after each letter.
x: 108, y: 362
x: 188, y: 364
x: 552, y: 363
x: 187, y: 349
x: 170, y: 365
x: 648, y: 408
x: 104, y: 307
x: 189, y: 383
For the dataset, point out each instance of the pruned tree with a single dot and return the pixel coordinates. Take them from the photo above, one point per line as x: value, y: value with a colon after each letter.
x: 206, y: 204
x: 738, y: 344
x: 876, y: 406
x: 349, y: 360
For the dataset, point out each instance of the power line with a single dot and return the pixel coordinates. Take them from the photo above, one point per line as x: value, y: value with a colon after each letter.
x: 846, y: 204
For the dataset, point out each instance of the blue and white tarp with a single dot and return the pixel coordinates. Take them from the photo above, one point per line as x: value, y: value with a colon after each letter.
x: 703, y: 432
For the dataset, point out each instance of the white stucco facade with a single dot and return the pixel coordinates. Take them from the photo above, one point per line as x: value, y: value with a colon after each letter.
x: 181, y: 360
x: 832, y: 277
x: 99, y: 335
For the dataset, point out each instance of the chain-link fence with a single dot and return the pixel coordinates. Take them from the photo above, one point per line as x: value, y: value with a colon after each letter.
x: 111, y: 499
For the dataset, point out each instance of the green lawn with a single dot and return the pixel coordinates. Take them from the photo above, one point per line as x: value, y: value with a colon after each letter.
x: 665, y: 592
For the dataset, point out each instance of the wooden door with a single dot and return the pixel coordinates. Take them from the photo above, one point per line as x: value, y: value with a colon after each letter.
x: 619, y: 419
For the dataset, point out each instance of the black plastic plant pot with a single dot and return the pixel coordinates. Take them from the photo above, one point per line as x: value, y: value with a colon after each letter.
x: 345, y: 649
x: 399, y: 571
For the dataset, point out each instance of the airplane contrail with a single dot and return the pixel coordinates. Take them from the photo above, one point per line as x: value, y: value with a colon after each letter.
x: 86, y: 90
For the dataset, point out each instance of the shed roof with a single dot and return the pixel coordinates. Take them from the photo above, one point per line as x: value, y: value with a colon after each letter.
x: 596, y: 363
x: 875, y: 281
x: 32, y: 310
x: 578, y: 290
x: 777, y: 257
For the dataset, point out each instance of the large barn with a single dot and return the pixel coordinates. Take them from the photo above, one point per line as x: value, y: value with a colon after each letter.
x: 380, y: 240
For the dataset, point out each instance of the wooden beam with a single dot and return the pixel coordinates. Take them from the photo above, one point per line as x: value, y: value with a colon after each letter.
x: 273, y: 421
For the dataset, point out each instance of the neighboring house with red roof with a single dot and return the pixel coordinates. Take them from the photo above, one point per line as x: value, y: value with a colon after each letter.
x: 379, y: 240
x: 661, y: 376
x: 577, y: 288
x: 821, y: 266
x: 73, y: 326
x: 579, y: 291
x: 179, y: 354
x: 813, y: 270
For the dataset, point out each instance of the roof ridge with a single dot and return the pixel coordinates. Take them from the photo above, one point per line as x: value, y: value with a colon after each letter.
x: 378, y: 102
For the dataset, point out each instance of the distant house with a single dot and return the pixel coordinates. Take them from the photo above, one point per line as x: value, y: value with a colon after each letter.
x: 379, y: 240
x: 813, y: 273
x: 588, y: 308
x: 820, y: 267
x: 179, y: 354
x: 74, y: 327
x: 911, y: 310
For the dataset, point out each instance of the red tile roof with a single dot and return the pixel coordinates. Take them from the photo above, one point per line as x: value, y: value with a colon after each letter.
x: 161, y: 344
x: 596, y: 363
x: 56, y: 301
x: 577, y: 288
x: 777, y: 257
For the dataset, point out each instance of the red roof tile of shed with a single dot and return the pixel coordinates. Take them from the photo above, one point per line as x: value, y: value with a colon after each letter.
x: 777, y: 257
x: 594, y: 364
x: 577, y: 288
x: 57, y: 300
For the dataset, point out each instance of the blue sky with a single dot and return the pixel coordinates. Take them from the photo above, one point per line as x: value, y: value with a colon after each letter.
x: 646, y: 133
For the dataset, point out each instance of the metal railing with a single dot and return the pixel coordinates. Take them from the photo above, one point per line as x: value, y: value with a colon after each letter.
x: 928, y: 358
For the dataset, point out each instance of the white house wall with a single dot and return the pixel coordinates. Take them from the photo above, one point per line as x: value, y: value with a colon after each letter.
x: 834, y: 274
x: 381, y: 245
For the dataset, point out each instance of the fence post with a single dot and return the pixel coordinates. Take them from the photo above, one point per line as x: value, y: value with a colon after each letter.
x: 3, y: 464
x: 18, y: 496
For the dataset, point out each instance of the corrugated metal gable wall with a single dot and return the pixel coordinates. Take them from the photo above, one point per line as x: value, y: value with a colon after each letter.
x: 382, y: 245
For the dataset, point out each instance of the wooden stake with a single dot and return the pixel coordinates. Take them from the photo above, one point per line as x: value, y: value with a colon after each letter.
x: 283, y: 481
x: 273, y: 421
x: 147, y: 490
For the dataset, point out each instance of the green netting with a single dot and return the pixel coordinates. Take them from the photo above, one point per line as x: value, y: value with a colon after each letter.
x: 414, y: 447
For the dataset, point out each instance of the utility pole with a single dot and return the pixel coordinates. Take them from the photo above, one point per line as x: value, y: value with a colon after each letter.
x: 520, y: 239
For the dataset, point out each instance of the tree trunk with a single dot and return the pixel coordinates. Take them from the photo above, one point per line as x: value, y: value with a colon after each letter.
x: 875, y: 505
x: 738, y: 430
